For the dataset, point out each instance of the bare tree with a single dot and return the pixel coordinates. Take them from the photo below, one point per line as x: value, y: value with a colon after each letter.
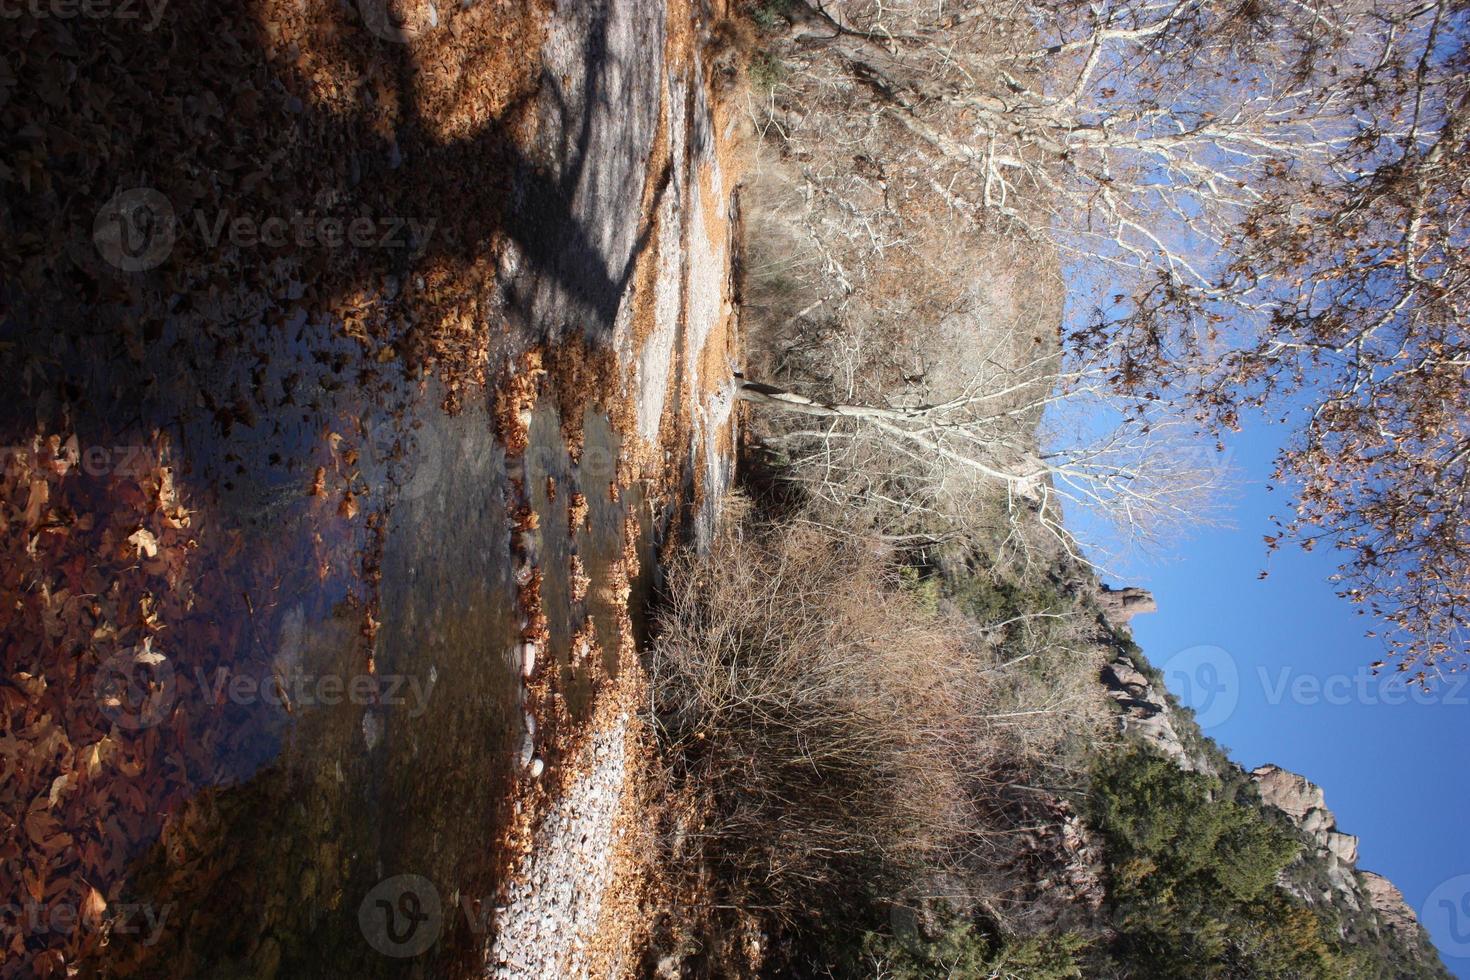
x: 940, y: 463
x: 1266, y: 206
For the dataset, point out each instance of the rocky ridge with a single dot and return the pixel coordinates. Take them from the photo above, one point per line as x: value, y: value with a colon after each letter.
x: 1326, y: 872
x: 1305, y: 805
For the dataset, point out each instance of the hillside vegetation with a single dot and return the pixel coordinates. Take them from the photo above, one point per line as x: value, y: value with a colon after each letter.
x: 883, y: 693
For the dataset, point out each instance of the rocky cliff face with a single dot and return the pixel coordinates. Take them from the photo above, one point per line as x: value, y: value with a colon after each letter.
x: 1385, y: 899
x: 1372, y: 910
x: 1378, y: 905
x: 1305, y: 804
x: 1146, y: 714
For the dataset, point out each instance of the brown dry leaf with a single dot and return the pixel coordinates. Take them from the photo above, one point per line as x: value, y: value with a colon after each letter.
x: 93, y: 756
x: 94, y: 906
x: 34, y: 685
x: 40, y: 496
x: 349, y: 506
x: 44, y: 830
x: 144, y: 541
x: 35, y: 884
x: 50, y: 962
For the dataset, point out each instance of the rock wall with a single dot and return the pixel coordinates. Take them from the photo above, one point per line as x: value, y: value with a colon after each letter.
x: 1305, y: 804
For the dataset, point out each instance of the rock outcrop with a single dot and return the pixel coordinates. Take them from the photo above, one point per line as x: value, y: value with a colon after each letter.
x: 1146, y: 713
x: 1385, y: 899
x: 1304, y: 802
x: 1119, y: 606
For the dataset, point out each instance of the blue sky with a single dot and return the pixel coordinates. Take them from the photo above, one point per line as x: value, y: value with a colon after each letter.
x: 1392, y: 764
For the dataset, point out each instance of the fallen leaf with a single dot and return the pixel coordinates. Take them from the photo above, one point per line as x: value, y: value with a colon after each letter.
x: 93, y: 907
x: 143, y: 540
x: 40, y: 495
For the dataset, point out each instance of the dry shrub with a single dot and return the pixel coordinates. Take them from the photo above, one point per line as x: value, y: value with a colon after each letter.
x: 833, y: 720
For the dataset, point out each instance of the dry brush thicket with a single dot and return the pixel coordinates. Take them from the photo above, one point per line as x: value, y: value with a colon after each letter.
x: 847, y: 736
